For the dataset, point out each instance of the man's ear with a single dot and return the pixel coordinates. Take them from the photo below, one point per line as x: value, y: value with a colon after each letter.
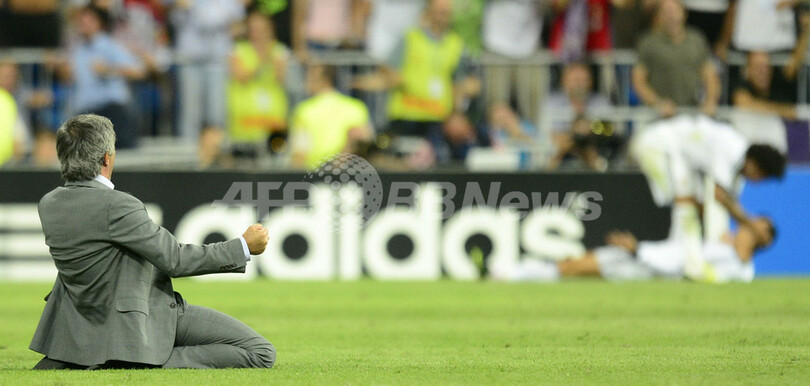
x: 106, y: 160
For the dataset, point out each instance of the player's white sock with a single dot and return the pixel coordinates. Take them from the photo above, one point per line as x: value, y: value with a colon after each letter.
x: 686, y: 229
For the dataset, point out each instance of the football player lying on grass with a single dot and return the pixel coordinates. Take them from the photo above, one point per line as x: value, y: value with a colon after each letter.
x: 624, y: 258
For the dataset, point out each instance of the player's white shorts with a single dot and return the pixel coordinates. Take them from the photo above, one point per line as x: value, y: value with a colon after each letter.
x: 667, y: 172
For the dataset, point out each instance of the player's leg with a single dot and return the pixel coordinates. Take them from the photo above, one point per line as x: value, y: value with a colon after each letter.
x: 651, y: 153
x: 210, y: 339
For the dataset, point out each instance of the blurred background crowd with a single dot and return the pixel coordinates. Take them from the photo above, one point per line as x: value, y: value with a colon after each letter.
x: 408, y: 84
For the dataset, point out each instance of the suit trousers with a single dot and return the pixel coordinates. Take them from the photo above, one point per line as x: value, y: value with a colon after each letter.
x: 208, y: 339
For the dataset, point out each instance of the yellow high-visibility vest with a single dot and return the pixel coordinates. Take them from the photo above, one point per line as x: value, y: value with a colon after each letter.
x: 426, y: 93
x: 8, y: 118
x: 259, y: 107
x: 321, y: 124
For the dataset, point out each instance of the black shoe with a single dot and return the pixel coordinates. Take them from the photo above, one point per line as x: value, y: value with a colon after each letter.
x: 51, y: 364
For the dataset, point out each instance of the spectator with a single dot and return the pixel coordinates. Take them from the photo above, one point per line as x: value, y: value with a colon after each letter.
x: 711, y: 17
x: 629, y: 20
x: 762, y: 25
x: 28, y: 100
x: 583, y: 142
x: 581, y: 26
x: 425, y: 73
x: 30, y: 23
x: 328, y: 123
x: 506, y: 126
x: 43, y: 144
x: 575, y: 98
x: 388, y: 21
x: 327, y: 25
x: 204, y: 43
x: 100, y: 68
x: 512, y: 29
x: 281, y: 13
x: 460, y: 136
x: 144, y: 33
x: 764, y: 90
x: 8, y: 120
x: 674, y: 61
x: 257, y: 103
x: 765, y: 97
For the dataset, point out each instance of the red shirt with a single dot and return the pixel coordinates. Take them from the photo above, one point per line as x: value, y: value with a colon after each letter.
x: 599, y: 33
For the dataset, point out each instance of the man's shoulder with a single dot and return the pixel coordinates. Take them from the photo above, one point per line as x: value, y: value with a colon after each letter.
x: 694, y: 35
x: 650, y: 40
x: 353, y: 103
x: 85, y: 191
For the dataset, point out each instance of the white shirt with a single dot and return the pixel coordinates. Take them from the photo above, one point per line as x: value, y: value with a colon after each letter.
x: 706, y: 146
x: 759, y: 26
x: 106, y: 181
x: 708, y: 6
x: 388, y: 22
x: 512, y: 27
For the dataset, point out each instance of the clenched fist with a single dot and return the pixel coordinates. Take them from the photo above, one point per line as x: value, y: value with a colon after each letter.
x: 256, y: 237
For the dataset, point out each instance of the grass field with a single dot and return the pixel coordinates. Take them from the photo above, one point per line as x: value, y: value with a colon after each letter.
x: 469, y: 333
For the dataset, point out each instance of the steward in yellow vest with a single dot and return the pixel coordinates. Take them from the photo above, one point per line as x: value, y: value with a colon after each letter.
x: 8, y: 118
x: 257, y: 102
x: 422, y: 74
x: 327, y: 123
x: 427, y: 69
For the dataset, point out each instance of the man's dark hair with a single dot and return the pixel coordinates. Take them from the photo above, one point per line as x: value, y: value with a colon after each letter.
x: 100, y: 13
x: 81, y: 144
x: 770, y: 160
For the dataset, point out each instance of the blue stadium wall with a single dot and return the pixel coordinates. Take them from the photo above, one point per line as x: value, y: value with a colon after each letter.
x: 788, y: 203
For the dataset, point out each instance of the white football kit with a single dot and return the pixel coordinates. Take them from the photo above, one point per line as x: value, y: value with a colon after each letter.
x: 675, y: 153
x: 666, y: 259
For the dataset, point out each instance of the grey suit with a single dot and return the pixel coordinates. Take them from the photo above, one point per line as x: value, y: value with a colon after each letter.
x: 113, y: 298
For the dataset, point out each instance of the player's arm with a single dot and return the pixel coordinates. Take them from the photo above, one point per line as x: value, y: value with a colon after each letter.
x: 645, y: 91
x: 738, y: 213
x: 711, y: 83
x: 131, y: 228
x: 722, y: 44
x: 743, y: 99
x: 731, y: 204
x: 797, y: 58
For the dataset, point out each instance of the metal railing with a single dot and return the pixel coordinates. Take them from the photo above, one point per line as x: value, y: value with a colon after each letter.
x: 613, y: 74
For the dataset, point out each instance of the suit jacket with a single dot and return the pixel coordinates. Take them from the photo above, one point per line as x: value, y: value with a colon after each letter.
x: 113, y: 296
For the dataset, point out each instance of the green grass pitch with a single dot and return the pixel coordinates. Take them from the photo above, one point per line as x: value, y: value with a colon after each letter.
x: 446, y: 332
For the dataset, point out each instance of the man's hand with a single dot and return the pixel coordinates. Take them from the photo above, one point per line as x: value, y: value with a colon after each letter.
x: 666, y: 108
x: 709, y: 108
x: 101, y: 68
x: 256, y: 237
x: 762, y: 231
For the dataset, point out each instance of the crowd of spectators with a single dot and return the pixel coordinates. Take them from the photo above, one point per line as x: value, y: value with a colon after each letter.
x: 246, y: 78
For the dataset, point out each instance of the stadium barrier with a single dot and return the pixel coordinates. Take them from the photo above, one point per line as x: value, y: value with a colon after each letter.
x: 410, y: 226
x: 425, y: 226
x: 613, y: 75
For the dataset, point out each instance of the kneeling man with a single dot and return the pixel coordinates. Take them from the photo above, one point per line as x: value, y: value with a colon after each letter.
x: 112, y: 305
